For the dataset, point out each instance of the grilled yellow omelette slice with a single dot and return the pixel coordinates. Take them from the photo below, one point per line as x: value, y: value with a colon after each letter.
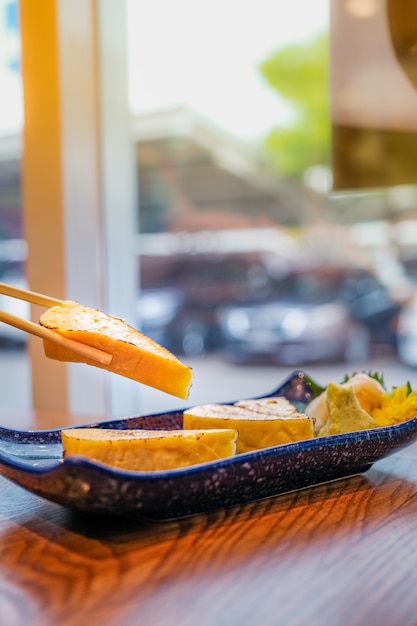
x: 135, y: 355
x: 144, y: 450
x: 255, y: 429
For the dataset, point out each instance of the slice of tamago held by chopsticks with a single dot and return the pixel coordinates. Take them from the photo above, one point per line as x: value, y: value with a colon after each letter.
x: 148, y: 450
x: 134, y: 355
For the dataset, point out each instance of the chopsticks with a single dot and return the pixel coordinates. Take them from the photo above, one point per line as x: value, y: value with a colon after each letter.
x: 82, y: 349
x: 29, y: 296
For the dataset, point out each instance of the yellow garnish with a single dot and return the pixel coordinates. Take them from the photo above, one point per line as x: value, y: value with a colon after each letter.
x: 395, y: 407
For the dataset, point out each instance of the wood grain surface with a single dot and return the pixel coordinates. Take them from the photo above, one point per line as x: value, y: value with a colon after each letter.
x: 339, y: 554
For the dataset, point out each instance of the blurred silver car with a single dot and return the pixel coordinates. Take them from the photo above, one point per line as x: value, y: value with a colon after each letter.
x: 293, y: 333
x: 320, y: 314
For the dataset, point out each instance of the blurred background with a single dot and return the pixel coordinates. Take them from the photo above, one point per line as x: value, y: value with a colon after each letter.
x: 270, y: 234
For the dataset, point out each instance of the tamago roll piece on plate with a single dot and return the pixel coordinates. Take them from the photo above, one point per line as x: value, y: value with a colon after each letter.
x: 255, y: 429
x: 147, y: 450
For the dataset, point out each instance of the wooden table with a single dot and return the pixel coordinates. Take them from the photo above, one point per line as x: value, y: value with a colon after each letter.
x: 339, y: 554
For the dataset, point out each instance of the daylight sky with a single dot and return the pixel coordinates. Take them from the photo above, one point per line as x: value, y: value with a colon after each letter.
x: 206, y: 55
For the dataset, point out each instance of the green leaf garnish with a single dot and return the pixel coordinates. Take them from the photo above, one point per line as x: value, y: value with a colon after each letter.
x: 408, y: 386
x: 378, y: 377
x: 316, y: 388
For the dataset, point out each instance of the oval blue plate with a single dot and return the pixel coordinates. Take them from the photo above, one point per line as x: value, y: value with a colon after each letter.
x: 34, y: 461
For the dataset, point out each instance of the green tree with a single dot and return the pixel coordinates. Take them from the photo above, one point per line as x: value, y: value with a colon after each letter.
x: 299, y: 73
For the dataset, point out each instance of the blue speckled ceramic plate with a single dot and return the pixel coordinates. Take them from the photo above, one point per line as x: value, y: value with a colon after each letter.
x: 34, y: 461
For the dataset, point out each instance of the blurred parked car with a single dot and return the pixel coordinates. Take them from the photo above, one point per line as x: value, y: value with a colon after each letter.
x: 317, y: 315
x: 370, y: 302
x: 194, y: 304
x: 180, y: 295
x: 173, y: 322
